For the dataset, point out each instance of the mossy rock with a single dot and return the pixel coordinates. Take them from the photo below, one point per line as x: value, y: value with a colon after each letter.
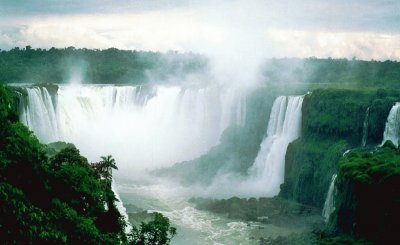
x: 368, y: 199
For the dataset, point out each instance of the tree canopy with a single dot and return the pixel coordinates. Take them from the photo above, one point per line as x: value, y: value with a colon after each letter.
x: 94, y: 66
x: 61, y: 199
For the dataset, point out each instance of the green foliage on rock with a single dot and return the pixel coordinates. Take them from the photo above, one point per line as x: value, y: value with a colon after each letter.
x: 368, y: 199
x: 340, y: 114
x: 56, y: 200
x: 332, y: 122
x: 334, y: 113
x: 371, y: 167
x: 309, y: 166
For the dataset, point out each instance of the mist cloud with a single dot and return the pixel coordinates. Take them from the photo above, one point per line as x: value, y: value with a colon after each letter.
x: 221, y: 28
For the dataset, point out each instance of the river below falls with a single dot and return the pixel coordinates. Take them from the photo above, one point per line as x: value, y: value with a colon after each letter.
x: 195, y: 226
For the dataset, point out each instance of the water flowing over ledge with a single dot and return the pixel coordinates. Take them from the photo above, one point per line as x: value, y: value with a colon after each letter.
x: 268, y: 170
x: 142, y: 127
x: 329, y: 206
x: 392, y: 128
x: 365, y: 128
x: 283, y: 127
x: 121, y: 208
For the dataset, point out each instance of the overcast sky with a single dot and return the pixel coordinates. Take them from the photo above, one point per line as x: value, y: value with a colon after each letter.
x: 365, y: 29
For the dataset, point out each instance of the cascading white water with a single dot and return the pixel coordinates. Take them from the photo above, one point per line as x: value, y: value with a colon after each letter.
x: 329, y: 205
x: 144, y: 127
x: 268, y: 170
x: 283, y: 127
x: 121, y: 208
x: 141, y: 127
x: 40, y: 114
x: 365, y: 129
x: 392, y: 128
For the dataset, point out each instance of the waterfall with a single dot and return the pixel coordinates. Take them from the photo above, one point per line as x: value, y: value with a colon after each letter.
x: 232, y: 99
x: 39, y: 115
x: 365, y: 129
x: 329, y: 205
x: 142, y: 127
x: 268, y: 170
x: 392, y: 128
x: 121, y: 208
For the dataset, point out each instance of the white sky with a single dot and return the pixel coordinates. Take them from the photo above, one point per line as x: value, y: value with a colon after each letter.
x: 236, y: 29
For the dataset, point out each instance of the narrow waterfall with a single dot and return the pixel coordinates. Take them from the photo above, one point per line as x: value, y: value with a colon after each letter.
x: 392, y: 128
x: 268, y: 170
x: 365, y: 129
x: 121, y: 208
x: 142, y: 127
x: 329, y: 205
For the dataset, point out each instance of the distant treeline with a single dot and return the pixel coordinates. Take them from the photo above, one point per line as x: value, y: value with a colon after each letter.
x: 341, y: 71
x: 138, y: 67
x: 94, y: 66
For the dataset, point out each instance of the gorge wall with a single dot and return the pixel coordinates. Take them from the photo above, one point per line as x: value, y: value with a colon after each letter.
x: 332, y: 123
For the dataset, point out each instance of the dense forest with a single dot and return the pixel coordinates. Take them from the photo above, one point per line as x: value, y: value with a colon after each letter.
x: 95, y: 66
x: 53, y: 195
x: 342, y: 72
x: 116, y: 66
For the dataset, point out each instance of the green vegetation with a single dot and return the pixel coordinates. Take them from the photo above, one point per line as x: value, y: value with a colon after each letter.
x: 95, y: 66
x: 53, y: 148
x: 332, y: 122
x: 368, y: 200
x: 309, y: 166
x: 104, y: 168
x: 138, y: 67
x: 275, y: 210
x: 339, y: 114
x: 56, y: 196
x: 338, y: 73
x: 154, y: 232
x: 60, y: 199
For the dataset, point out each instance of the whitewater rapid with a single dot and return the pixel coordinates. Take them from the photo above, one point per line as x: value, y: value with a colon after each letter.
x: 197, y: 227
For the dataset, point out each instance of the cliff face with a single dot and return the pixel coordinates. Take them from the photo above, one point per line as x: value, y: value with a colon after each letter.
x: 309, y: 167
x: 368, y: 200
x: 237, y: 149
x: 333, y: 121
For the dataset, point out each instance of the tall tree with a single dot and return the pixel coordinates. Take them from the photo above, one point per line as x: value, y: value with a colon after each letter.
x: 107, y: 164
